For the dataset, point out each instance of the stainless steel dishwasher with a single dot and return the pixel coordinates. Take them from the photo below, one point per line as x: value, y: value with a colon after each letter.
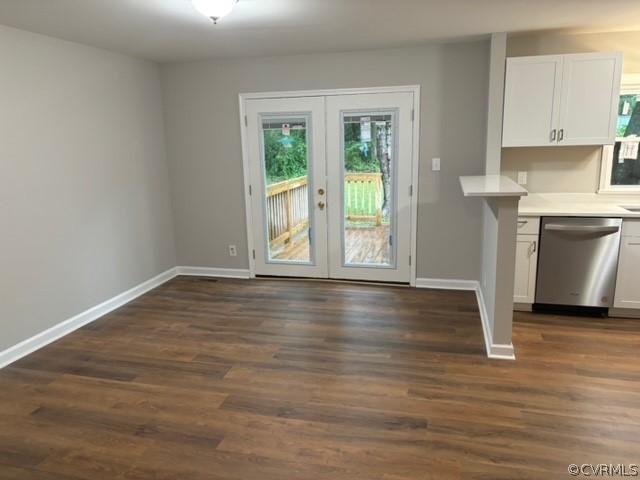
x: 578, y: 261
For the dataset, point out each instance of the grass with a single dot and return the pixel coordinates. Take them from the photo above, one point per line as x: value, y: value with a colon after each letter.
x: 362, y: 199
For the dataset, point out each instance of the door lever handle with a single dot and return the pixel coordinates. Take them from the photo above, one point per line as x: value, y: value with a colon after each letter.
x: 582, y: 228
x: 321, y: 205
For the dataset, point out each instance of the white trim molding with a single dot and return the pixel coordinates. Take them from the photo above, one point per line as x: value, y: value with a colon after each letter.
x: 415, y: 167
x: 72, y: 324
x: 68, y: 326
x: 630, y: 86
x: 446, y: 284
x: 494, y: 350
x: 498, y: 351
x: 213, y: 272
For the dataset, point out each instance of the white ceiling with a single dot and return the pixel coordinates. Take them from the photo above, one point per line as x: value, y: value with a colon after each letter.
x: 171, y: 30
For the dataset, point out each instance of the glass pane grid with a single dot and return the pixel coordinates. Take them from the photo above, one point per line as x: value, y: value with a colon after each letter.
x: 625, y: 168
x: 286, y: 170
x: 367, y: 191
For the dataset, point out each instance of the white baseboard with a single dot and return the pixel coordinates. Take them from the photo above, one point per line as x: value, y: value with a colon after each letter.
x: 214, y: 272
x: 624, y: 312
x: 58, y: 331
x: 498, y: 351
x: 445, y: 284
x: 494, y: 350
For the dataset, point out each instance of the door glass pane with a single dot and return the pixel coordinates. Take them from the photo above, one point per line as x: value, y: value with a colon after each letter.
x: 368, y: 188
x: 626, y: 154
x: 286, y: 170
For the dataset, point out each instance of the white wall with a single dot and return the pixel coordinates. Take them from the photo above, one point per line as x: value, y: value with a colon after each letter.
x: 555, y: 169
x: 203, y: 135
x: 85, y: 210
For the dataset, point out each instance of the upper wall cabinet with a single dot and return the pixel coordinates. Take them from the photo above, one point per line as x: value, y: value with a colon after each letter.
x: 561, y: 100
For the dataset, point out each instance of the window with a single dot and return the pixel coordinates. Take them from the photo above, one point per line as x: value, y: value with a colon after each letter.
x: 621, y: 161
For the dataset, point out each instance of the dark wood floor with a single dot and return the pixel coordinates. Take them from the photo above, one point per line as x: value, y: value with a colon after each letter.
x: 277, y: 380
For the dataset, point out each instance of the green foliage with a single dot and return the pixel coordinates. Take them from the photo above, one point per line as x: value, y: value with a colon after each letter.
x: 633, y: 127
x: 357, y: 158
x: 629, y: 124
x: 282, y: 161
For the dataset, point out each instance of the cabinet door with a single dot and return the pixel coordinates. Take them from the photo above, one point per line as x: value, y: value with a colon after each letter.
x: 627, y: 285
x: 589, y: 101
x: 526, y: 265
x: 531, y: 100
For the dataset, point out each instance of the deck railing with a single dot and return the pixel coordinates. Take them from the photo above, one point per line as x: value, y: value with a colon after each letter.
x: 288, y: 204
x: 287, y: 209
x: 363, y: 196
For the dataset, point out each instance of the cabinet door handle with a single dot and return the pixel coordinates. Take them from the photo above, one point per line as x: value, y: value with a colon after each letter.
x: 553, y: 135
x: 535, y: 246
x: 561, y: 134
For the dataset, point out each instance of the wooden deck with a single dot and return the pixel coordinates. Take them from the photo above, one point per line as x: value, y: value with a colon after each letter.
x: 290, y: 380
x: 365, y: 245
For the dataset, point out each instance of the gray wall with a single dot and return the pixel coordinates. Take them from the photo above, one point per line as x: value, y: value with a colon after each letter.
x: 84, y: 194
x: 203, y: 138
x: 490, y: 221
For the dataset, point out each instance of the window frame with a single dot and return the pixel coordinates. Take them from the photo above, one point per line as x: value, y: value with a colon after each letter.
x: 630, y: 85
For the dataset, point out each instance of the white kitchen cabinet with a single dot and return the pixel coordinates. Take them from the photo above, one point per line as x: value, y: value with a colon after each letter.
x: 628, y: 281
x: 561, y: 100
x: 526, y: 262
x: 531, y: 100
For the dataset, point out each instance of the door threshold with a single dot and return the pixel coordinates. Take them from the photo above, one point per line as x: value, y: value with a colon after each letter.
x: 334, y: 280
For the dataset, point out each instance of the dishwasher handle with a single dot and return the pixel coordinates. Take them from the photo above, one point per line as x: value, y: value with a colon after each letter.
x: 582, y: 228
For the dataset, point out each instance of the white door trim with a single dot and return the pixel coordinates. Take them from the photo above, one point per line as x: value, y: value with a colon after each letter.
x: 415, y: 89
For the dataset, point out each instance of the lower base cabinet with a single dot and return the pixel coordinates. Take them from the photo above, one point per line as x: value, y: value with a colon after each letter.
x: 526, y: 262
x: 627, y: 296
x: 628, y: 281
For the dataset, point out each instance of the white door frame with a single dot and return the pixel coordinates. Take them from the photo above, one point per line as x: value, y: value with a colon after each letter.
x: 415, y: 160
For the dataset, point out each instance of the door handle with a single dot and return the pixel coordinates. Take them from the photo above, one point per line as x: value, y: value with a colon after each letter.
x: 553, y: 135
x: 561, y: 134
x: 321, y: 205
x: 581, y: 228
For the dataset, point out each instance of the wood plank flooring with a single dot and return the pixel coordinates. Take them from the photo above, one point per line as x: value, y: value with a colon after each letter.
x: 290, y: 380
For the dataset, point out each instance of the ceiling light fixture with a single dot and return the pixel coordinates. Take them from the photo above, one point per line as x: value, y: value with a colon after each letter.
x: 214, y: 9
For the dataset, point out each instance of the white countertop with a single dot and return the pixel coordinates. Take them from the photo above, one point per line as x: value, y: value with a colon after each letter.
x: 491, y: 186
x: 578, y: 205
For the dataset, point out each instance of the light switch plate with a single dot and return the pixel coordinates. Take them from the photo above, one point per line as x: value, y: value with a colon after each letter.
x: 233, y: 251
x: 435, y: 164
x: 522, y: 178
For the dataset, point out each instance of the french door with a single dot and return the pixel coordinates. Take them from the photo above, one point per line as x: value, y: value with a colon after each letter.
x: 330, y: 185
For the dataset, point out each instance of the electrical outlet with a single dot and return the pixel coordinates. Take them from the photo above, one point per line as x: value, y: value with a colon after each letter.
x: 522, y: 178
x: 233, y: 251
x: 435, y: 164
